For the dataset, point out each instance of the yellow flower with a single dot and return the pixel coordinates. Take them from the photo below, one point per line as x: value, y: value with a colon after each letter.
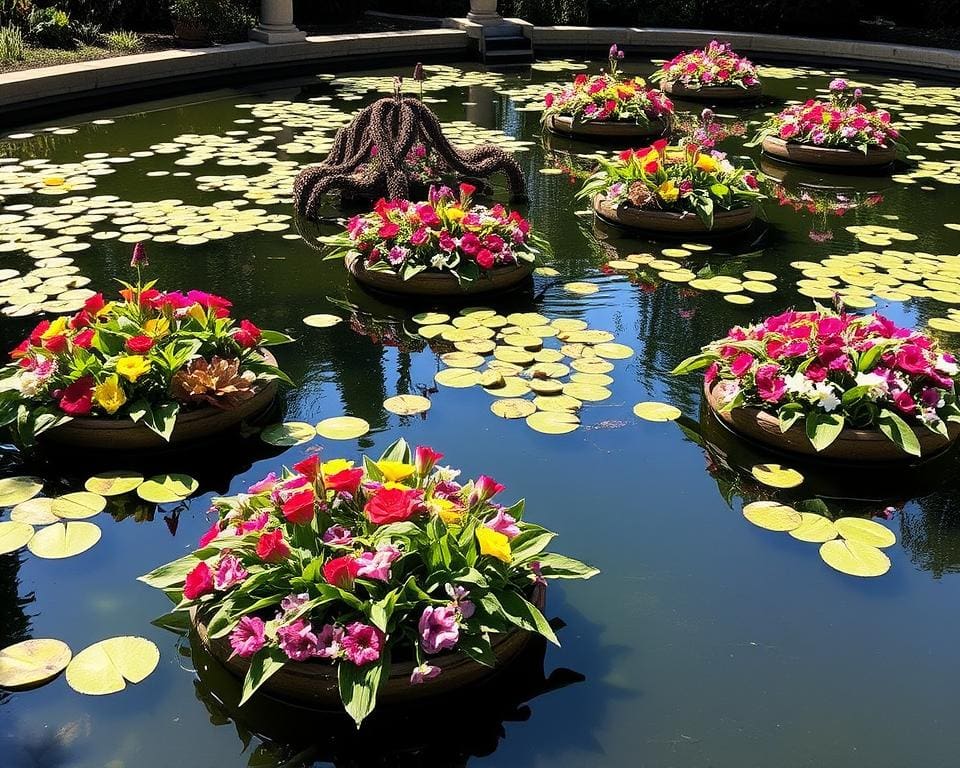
x: 446, y: 510
x: 668, y: 191
x: 454, y: 214
x: 110, y: 395
x: 57, y: 327
x: 334, y: 466
x: 157, y: 328
x: 707, y: 163
x: 395, y: 471
x: 494, y: 543
x: 392, y: 486
x: 132, y: 367
x: 198, y: 313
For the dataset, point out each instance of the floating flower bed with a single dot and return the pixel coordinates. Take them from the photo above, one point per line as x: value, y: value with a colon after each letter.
x: 674, y: 189
x: 833, y: 384
x: 715, y: 72
x: 609, y: 106
x: 446, y: 246
x: 841, y: 132
x: 335, y: 577
x: 151, y: 367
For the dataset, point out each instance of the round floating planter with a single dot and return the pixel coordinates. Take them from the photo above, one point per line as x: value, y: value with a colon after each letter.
x: 101, y: 434
x: 670, y: 222
x: 568, y: 126
x: 315, y: 682
x: 440, y: 284
x: 713, y: 92
x: 808, y: 154
x: 853, y: 445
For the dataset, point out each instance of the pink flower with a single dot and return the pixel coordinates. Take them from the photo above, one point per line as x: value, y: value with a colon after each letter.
x: 338, y: 535
x: 470, y: 244
x: 212, y: 532
x: 330, y: 642
x: 741, y: 364
x: 199, y: 582
x: 247, y: 637
x: 264, y: 485
x: 484, y: 488
x: 816, y: 372
x: 254, y: 524
x: 485, y: 259
x: 376, y: 565
x: 459, y: 597
x: 362, y: 643
x: 425, y: 458
x: 770, y: 385
x: 271, y: 547
x: 298, y: 509
x: 420, y: 237
x: 438, y: 629
x: 298, y: 641
x: 230, y: 572
x: 710, y: 375
x: 422, y: 673
x: 388, y: 230
x: 911, y: 359
x: 904, y: 402
x: 503, y: 523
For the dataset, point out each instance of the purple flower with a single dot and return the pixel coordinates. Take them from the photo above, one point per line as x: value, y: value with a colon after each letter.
x: 438, y: 629
x: 362, y: 643
x: 459, y: 596
x: 139, y: 258
x: 376, y: 565
x: 230, y: 572
x: 418, y: 73
x: 291, y: 603
x: 298, y: 641
x: 503, y: 523
x: 537, y: 575
x: 330, y: 641
x: 338, y: 535
x: 838, y: 84
x: 423, y: 673
x: 247, y: 637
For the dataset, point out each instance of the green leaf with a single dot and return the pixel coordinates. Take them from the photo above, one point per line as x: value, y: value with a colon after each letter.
x: 868, y: 359
x: 694, y: 363
x: 398, y: 451
x: 823, y: 428
x: 264, y: 664
x: 562, y: 567
x: 477, y: 648
x: 899, y: 432
x: 273, y: 338
x: 788, y: 416
x: 172, y: 574
x: 530, y: 543
x: 854, y: 393
x: 359, y: 687
x: 523, y: 613
x: 382, y: 610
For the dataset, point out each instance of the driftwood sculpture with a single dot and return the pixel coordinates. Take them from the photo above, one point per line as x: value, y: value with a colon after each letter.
x: 394, y: 125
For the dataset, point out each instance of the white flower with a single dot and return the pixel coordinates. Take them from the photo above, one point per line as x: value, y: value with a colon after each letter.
x: 446, y: 474
x: 929, y: 416
x: 798, y: 384
x: 28, y: 384
x: 438, y: 261
x: 879, y: 386
x: 825, y: 397
x: 947, y: 367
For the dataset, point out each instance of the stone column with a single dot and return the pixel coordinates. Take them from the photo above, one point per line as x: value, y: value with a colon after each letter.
x: 276, y: 23
x: 484, y: 12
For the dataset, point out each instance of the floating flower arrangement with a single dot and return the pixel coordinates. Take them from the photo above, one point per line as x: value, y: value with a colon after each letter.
x: 706, y: 71
x: 833, y: 383
x: 448, y: 235
x: 150, y: 357
x: 840, y: 131
x: 608, y: 99
x: 352, y: 571
x: 688, y: 181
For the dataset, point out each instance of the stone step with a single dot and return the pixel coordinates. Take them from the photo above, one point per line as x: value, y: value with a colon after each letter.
x: 513, y: 42
x: 509, y: 56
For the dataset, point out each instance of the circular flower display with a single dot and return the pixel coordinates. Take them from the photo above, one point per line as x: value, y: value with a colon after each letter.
x: 716, y: 65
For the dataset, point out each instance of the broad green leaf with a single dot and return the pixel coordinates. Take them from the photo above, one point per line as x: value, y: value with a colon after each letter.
x: 525, y: 614
x: 14, y: 535
x: 823, y: 428
x: 899, y: 432
x: 62, y: 540
x: 359, y: 687
x: 866, y: 532
x: 264, y: 664
x: 854, y: 558
x: 554, y: 566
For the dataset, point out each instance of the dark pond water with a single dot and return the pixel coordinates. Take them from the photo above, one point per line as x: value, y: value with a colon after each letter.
x: 705, y: 641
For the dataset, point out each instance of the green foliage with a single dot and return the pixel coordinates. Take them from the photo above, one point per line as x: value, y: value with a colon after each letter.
x: 11, y: 44
x: 51, y: 28
x: 124, y: 40
x: 88, y: 33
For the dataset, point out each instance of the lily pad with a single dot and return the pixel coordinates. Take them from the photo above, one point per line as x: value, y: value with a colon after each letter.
x: 462, y: 359
x: 591, y: 365
x: 36, y: 511
x: 322, y: 321
x: 772, y: 515
x: 107, y: 666
x: 33, y: 662
x: 512, y: 408
x: 865, y: 532
x: 652, y: 411
x: 14, y: 490
x: 457, y: 378
x: 776, y: 476
x: 814, y: 528
x: 854, y: 558
x: 613, y: 351
x: 167, y: 489
x: 79, y: 505
x: 431, y: 318
x: 14, y: 535
x: 553, y: 422
x: 342, y: 428
x: 114, y: 483
x: 406, y: 405
x: 289, y: 433
x: 62, y: 540
x: 580, y: 289
x: 589, y: 392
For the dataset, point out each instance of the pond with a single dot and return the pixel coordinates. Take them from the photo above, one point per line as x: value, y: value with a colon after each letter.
x: 705, y: 640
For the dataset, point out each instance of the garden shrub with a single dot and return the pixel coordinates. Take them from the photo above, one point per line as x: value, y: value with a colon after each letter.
x: 50, y: 28
x: 11, y: 43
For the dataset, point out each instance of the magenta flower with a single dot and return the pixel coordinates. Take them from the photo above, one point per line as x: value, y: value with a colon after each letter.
x: 362, y: 643
x: 230, y: 572
x: 247, y: 637
x: 484, y: 488
x: 423, y: 673
x: 438, y: 629
x: 139, y: 258
x: 330, y: 642
x: 264, y: 485
x: 298, y: 641
x: 376, y: 565
x: 425, y: 458
x: 338, y: 535
x: 459, y: 596
x: 291, y: 603
x: 504, y: 523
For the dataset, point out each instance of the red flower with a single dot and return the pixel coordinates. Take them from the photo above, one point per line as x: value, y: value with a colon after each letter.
x: 77, y: 399
x: 55, y: 344
x: 139, y: 345
x: 580, y: 79
x: 470, y: 244
x: 38, y: 331
x: 199, y: 582
x: 84, y: 339
x: 393, y: 505
x: 467, y: 190
x: 298, y: 509
x: 911, y: 359
x: 80, y: 320
x: 247, y: 335
x: 660, y: 145
x: 341, y: 571
x: 212, y: 532
x: 626, y: 156
x: 206, y: 300
x: 21, y: 350
x: 347, y: 480
x: 309, y: 467
x: 425, y: 458
x: 485, y: 259
x: 905, y: 403
x: 271, y: 548
x: 95, y: 303
x: 652, y: 167
x: 147, y: 296
x: 388, y: 230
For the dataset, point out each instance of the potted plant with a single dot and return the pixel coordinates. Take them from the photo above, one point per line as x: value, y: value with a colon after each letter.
x: 715, y: 72
x: 194, y: 21
x: 446, y: 245
x: 608, y: 105
x: 841, y: 132
x: 342, y: 583
x: 151, y: 368
x: 667, y: 188
x: 831, y: 384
